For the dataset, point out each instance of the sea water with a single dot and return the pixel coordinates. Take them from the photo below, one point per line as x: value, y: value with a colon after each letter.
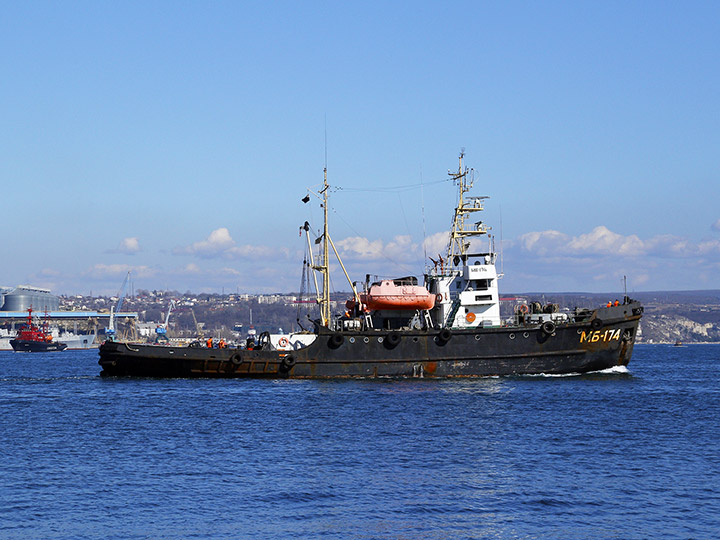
x: 626, y: 454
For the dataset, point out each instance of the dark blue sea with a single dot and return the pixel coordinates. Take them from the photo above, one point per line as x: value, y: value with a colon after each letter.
x: 624, y: 455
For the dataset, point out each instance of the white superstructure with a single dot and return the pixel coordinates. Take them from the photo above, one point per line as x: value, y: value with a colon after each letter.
x: 465, y: 283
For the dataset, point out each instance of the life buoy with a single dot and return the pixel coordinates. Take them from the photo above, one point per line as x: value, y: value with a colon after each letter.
x: 438, y: 297
x: 470, y: 317
x: 283, y: 342
x: 523, y: 308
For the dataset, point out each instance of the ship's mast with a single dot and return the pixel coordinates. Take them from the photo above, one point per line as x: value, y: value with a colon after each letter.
x: 461, y: 233
x: 325, y: 267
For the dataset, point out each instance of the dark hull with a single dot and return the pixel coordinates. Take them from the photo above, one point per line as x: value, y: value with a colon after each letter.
x: 601, y: 342
x: 24, y: 345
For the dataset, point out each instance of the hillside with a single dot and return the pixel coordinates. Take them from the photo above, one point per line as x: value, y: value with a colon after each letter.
x: 670, y: 316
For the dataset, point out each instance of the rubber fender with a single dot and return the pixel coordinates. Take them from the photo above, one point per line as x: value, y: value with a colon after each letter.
x: 236, y: 359
x: 596, y: 324
x: 393, y: 339
x: 445, y: 334
x: 288, y: 362
x: 336, y: 340
x: 548, y: 327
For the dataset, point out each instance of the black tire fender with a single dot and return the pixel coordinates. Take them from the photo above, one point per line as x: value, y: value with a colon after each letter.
x: 393, y: 339
x: 288, y: 362
x: 236, y: 358
x: 336, y: 340
x: 445, y: 334
x: 548, y: 327
x: 596, y: 324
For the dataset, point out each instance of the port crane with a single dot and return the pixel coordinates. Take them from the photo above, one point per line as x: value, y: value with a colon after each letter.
x: 110, y: 330
x: 161, y: 329
x: 198, y: 331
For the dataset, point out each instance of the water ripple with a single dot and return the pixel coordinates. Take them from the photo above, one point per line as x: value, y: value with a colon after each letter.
x: 626, y: 455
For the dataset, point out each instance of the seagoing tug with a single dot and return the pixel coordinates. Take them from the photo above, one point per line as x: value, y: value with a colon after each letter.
x: 34, y: 338
x: 448, y: 327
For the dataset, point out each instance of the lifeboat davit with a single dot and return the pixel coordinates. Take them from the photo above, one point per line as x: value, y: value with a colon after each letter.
x: 397, y: 294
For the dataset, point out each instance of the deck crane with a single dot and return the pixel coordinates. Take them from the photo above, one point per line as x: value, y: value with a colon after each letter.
x: 110, y: 330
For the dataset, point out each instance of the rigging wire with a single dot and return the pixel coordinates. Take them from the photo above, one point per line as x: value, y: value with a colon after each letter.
x: 422, y: 206
x: 393, y: 189
x: 382, y: 253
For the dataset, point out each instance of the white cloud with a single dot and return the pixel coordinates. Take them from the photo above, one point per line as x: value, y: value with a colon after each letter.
x: 437, y: 244
x: 543, y: 242
x: 709, y: 247
x: 601, y: 241
x: 401, y: 249
x: 221, y: 244
x: 218, y: 242
x: 103, y: 271
x: 552, y: 260
x: 191, y: 268
x: 716, y: 226
x: 360, y: 248
x: 128, y: 246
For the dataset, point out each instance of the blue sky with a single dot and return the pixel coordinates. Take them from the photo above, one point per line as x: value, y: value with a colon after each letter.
x: 175, y: 139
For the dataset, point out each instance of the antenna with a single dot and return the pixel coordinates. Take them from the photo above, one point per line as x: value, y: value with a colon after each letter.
x: 422, y: 205
x: 326, y: 142
x: 502, y: 259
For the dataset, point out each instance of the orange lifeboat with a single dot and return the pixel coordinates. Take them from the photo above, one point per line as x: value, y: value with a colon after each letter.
x: 398, y: 294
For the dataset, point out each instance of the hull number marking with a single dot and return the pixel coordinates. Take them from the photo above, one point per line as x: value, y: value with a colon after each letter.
x: 600, y: 335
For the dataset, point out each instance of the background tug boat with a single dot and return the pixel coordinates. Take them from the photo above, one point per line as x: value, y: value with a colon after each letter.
x: 33, y: 338
x: 449, y: 327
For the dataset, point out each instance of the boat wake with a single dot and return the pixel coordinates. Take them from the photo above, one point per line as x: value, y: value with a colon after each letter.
x: 615, y: 370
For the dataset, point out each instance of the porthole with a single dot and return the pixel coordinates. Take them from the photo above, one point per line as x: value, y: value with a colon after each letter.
x: 512, y: 336
x: 366, y: 340
x: 352, y: 340
x: 380, y: 340
x: 477, y: 337
x: 525, y: 334
x: 415, y: 340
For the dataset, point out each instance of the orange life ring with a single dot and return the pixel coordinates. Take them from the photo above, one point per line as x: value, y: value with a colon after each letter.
x: 439, y: 298
x: 283, y: 342
x: 470, y: 317
x: 523, y: 309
